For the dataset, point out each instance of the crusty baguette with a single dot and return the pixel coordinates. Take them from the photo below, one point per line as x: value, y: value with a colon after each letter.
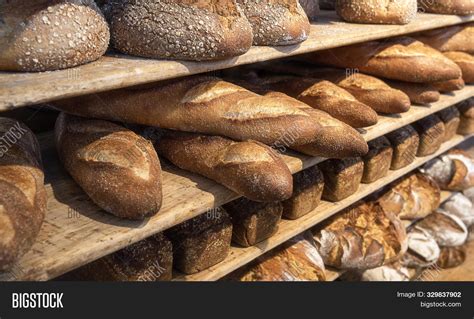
x: 449, y: 86
x: 465, y: 61
x: 335, y: 140
x: 419, y: 93
x: 118, y: 169
x: 403, y: 59
x: 276, y: 22
x: 460, y: 7
x: 44, y: 35
x: 249, y: 168
x: 185, y: 29
x: 22, y: 193
x: 453, y: 38
x: 377, y: 11
x: 199, y: 104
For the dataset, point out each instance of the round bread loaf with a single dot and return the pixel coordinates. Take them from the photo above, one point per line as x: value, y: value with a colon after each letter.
x: 447, y: 229
x: 460, y: 206
x: 460, y: 7
x: 49, y: 35
x: 186, y: 29
x: 423, y: 251
x: 377, y: 11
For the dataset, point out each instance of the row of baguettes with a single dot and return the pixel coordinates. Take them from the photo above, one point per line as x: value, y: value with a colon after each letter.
x: 247, y: 222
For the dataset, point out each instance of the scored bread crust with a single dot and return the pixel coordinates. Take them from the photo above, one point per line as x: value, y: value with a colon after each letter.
x: 117, y: 169
x: 451, y: 119
x: 459, y: 7
x: 47, y: 35
x: 431, y: 131
x: 377, y: 11
x: 453, y: 38
x: 189, y: 30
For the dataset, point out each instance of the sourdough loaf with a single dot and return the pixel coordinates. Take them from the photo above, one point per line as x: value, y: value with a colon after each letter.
x: 276, y: 22
x: 465, y: 61
x: 200, y: 104
x: 47, y: 35
x: 342, y: 177
x: 308, y: 188
x: 423, y: 251
x: 466, y: 108
x: 448, y: 230
x: 253, y: 222
x: 460, y: 206
x: 118, y: 169
x: 419, y: 93
x: 377, y: 11
x: 390, y: 272
x: 403, y: 59
x: 405, y: 143
x: 453, y: 38
x: 250, y: 169
x: 451, y: 257
x: 201, y: 242
x: 22, y: 193
x: 451, y: 119
x: 378, y: 160
x: 460, y: 7
x: 431, y: 132
x: 186, y: 29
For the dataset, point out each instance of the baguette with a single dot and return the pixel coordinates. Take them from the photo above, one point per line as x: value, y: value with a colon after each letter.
x: 449, y: 86
x: 459, y: 7
x: 249, y: 168
x: 453, y: 38
x: 200, y: 104
x: 377, y: 11
x: 22, y: 193
x: 465, y: 61
x: 116, y: 168
x: 419, y: 93
x: 403, y: 59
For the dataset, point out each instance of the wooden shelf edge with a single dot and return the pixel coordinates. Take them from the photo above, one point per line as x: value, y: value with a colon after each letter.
x: 118, y: 71
x: 238, y: 257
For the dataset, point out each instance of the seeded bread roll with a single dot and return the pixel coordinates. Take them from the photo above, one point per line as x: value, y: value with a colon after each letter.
x: 311, y: 8
x: 431, y: 132
x: 448, y: 230
x: 200, y: 104
x: 342, y: 177
x: 201, y: 242
x: 405, y: 143
x: 466, y: 108
x: 460, y: 7
x: 423, y: 251
x: 308, y: 188
x: 22, y: 194
x: 150, y: 259
x: 276, y: 22
x: 378, y: 160
x: 186, y: 29
x: 451, y: 119
x: 377, y: 11
x: 403, y: 59
x: 253, y: 222
x: 453, y: 38
x: 449, y: 86
x: 117, y: 169
x: 419, y: 93
x: 250, y: 169
x: 361, y: 237
x: 451, y: 257
x: 466, y: 62
x: 47, y: 35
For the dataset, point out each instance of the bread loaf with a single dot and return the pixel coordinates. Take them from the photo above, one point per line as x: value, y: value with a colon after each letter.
x: 466, y: 108
x: 253, y: 222
x: 449, y: 86
x: 403, y: 59
x: 342, y: 177
x: 390, y: 272
x: 453, y: 38
x: 377, y: 11
x: 469, y: 193
x: 448, y: 230
x: 46, y: 35
x: 460, y: 7
x: 412, y: 197
x: 465, y: 61
x: 419, y: 93
x: 405, y: 143
x: 423, y: 251
x: 276, y: 22
x: 460, y: 206
x: 186, y: 29
x: 311, y: 8
x: 378, y: 160
x: 297, y: 260
x: 308, y: 188
x: 361, y: 237
x: 201, y: 242
x: 250, y: 169
x: 117, y: 169
x: 148, y: 260
x: 431, y: 132
x: 451, y: 257
x: 22, y: 193
x: 451, y: 119
x: 200, y: 104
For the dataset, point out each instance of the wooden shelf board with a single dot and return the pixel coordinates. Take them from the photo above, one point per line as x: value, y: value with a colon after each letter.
x: 289, y: 228
x: 76, y: 231
x: 116, y: 71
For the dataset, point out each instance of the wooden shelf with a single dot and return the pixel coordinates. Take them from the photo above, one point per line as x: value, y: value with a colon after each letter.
x: 117, y: 71
x: 289, y: 228
x: 76, y: 231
